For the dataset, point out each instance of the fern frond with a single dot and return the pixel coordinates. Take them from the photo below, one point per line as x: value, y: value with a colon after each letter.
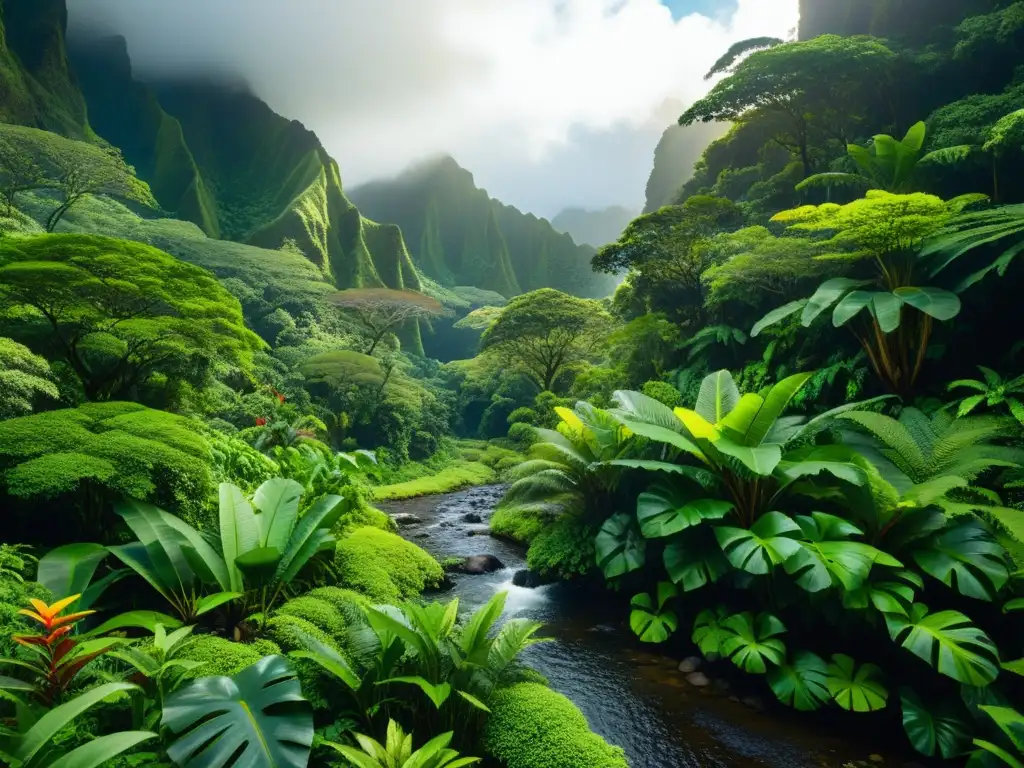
x: 901, y: 449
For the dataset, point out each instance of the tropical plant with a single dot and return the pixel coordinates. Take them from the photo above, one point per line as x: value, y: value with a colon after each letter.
x: 59, y: 656
x: 993, y: 391
x: 256, y: 719
x: 976, y: 230
x: 723, y: 335
x: 1010, y: 723
x: 397, y: 751
x: 35, y: 747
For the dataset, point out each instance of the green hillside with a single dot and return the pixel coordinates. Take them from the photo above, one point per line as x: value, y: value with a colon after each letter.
x: 459, y: 235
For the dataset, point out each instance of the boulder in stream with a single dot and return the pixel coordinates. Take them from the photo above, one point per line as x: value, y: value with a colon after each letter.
x: 690, y: 664
x: 403, y: 519
x: 476, y: 565
x: 529, y: 579
x: 472, y: 517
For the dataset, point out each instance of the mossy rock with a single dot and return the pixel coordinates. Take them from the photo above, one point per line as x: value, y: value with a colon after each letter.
x: 224, y: 657
x: 385, y: 567
x: 531, y: 726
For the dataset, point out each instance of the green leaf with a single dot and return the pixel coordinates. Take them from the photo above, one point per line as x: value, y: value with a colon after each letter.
x: 694, y: 558
x: 850, y: 306
x: 259, y: 565
x: 652, y: 623
x: 1009, y: 721
x: 887, y: 307
x: 438, y: 694
x: 101, y: 750
x: 477, y: 704
x: 941, y: 731
x: 309, y: 536
x: 239, y: 531
x: 147, y: 620
x: 664, y: 510
x: 761, y: 460
x: 661, y: 435
x: 717, y: 397
x: 777, y: 315
x: 966, y: 558
x: 709, y: 632
x: 753, y: 644
x: 828, y: 293
x: 934, y: 302
x: 473, y: 639
x: 769, y: 542
x: 801, y: 682
x: 620, y: 546
x: 328, y: 658
x: 949, y: 642
x: 69, y: 570
x: 857, y: 689
x: 773, y: 406
x: 210, y: 602
x: 242, y: 721
x: 278, y: 503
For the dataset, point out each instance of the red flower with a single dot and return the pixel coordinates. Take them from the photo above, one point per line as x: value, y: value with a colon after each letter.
x: 261, y: 422
x: 280, y: 397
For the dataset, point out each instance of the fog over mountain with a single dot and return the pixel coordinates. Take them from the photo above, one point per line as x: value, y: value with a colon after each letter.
x: 551, y: 103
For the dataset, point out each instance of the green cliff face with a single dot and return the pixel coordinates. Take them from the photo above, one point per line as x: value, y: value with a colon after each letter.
x: 674, y: 157
x: 910, y: 19
x: 37, y: 87
x: 218, y: 156
x: 459, y: 235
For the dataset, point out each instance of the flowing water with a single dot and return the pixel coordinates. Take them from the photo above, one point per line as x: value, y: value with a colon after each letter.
x: 632, y: 697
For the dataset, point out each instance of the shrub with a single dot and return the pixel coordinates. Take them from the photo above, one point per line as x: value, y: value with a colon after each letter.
x: 523, y: 416
x: 317, y: 612
x: 522, y: 434
x: 564, y: 549
x: 664, y: 393
x: 347, y: 603
x: 14, y: 596
x: 385, y: 567
x: 517, y: 523
x: 531, y: 726
x: 224, y: 657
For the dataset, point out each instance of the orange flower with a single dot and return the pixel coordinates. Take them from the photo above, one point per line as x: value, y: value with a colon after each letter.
x: 47, y: 614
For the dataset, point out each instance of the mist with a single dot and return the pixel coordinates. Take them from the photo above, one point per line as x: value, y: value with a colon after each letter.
x: 550, y: 103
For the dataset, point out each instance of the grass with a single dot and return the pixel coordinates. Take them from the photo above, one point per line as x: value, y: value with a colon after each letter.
x: 461, y: 474
x: 465, y: 463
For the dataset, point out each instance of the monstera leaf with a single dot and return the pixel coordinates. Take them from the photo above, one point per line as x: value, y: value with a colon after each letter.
x: 801, y: 682
x: 826, y: 558
x: 753, y: 643
x: 694, y: 558
x: 665, y: 510
x: 941, y: 731
x: 653, y: 623
x: 709, y: 632
x: 857, y: 689
x: 1011, y: 723
x: 966, y: 558
x: 257, y: 719
x: 620, y: 547
x: 894, y: 593
x: 768, y: 542
x: 949, y: 642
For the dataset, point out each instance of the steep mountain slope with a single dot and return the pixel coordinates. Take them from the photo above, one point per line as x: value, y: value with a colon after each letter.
x: 218, y: 156
x: 674, y: 157
x: 459, y: 235
x: 37, y: 87
x: 594, y: 228
x: 909, y: 19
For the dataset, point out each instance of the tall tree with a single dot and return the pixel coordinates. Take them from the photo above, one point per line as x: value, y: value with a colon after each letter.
x: 545, y: 333
x: 384, y: 310
x: 121, y: 315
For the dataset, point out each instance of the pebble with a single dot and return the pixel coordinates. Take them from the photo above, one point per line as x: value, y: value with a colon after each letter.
x: 698, y: 679
x: 690, y: 664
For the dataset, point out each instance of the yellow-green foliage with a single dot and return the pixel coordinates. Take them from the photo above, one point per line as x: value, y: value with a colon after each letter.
x: 224, y: 657
x: 14, y: 597
x: 384, y: 566
x: 460, y: 474
x: 124, y: 448
x: 564, y: 548
x: 522, y: 524
x: 346, y: 602
x: 318, y: 612
x: 24, y: 378
x: 531, y: 726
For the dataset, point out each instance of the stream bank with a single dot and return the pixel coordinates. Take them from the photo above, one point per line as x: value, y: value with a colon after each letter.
x: 632, y: 696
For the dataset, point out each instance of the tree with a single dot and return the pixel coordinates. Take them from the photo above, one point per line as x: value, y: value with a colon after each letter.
x: 121, y: 315
x: 813, y: 85
x: 24, y: 377
x: 19, y: 172
x: 545, y: 333
x: 728, y: 61
x: 384, y: 310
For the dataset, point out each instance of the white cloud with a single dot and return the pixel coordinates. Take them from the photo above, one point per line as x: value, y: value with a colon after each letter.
x: 501, y: 84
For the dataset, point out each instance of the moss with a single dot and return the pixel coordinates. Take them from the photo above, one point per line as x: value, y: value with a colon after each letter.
x: 564, y: 548
x: 224, y: 657
x: 317, y: 612
x: 461, y: 474
x: 534, y: 727
x: 346, y: 602
x: 385, y: 567
x: 522, y: 525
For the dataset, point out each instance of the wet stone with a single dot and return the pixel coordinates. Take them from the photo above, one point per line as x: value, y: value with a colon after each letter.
x: 698, y: 680
x: 690, y: 664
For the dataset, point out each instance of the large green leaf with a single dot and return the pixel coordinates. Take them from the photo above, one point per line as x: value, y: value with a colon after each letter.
x: 717, y: 397
x: 327, y: 658
x: 259, y: 565
x: 136, y: 620
x: 828, y: 293
x: 966, y: 558
x: 934, y: 302
x: 850, y: 307
x: 1010, y: 722
x: 709, y: 632
x: 257, y: 719
x: 777, y: 315
x: 239, y: 531
x: 620, y: 546
x: 694, y: 558
x: 204, y: 559
x: 310, y: 536
x: 949, y: 642
x: 753, y: 643
x: 69, y: 570
x: 857, y: 689
x: 760, y: 460
x: 649, y: 619
x: 827, y: 558
x: 662, y: 435
x: 636, y: 406
x: 165, y: 562
x: 664, y: 510
x: 938, y: 731
x: 773, y: 406
x: 769, y: 542
x: 278, y: 503
x: 438, y: 694
x: 887, y: 308
x: 100, y: 751
x: 800, y: 682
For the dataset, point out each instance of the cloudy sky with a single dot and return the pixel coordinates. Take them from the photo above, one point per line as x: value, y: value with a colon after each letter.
x: 551, y: 103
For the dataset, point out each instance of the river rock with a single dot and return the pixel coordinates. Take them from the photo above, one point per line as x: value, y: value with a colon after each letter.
x: 403, y: 519
x: 690, y: 664
x: 479, y: 564
x: 698, y: 680
x: 472, y: 517
x: 528, y: 579
x: 478, y: 532
x: 754, y: 702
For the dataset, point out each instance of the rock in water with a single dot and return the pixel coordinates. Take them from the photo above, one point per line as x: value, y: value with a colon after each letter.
x: 403, y: 519
x: 472, y: 517
x: 479, y: 564
x: 698, y: 679
x: 528, y: 579
x: 690, y: 664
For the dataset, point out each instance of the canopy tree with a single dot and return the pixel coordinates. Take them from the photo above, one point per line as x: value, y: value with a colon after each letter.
x: 385, y: 310
x: 24, y: 378
x: 545, y: 333
x: 814, y: 85
x: 121, y: 315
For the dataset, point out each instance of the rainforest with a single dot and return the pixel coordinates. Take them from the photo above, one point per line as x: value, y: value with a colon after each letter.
x: 394, y: 474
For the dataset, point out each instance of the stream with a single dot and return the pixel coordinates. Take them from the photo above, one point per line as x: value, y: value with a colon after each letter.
x: 634, y: 698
